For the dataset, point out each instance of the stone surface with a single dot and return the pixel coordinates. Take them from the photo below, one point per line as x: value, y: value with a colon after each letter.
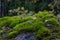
x: 26, y: 36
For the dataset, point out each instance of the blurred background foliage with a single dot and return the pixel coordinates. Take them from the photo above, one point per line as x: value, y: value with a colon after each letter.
x: 34, y: 5
x: 18, y: 6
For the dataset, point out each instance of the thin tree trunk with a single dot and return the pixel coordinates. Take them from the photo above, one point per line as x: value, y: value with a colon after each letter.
x: 2, y: 8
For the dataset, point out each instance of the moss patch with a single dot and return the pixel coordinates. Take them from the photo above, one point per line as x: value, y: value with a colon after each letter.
x: 34, y: 23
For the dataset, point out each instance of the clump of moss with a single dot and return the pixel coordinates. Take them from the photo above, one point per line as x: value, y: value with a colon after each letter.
x: 29, y: 25
x: 12, y: 34
x: 36, y: 23
x: 1, y: 38
x: 1, y: 32
x: 12, y: 21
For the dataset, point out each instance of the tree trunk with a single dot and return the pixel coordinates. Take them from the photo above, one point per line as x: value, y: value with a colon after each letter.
x: 2, y: 8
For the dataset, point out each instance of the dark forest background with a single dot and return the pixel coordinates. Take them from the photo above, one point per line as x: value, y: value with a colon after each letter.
x: 29, y: 5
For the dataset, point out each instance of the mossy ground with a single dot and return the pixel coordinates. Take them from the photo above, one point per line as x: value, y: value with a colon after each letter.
x: 37, y: 23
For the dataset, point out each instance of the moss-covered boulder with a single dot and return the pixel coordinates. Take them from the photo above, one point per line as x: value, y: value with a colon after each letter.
x: 42, y: 24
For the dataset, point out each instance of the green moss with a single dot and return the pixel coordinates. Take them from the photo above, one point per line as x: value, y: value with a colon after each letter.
x: 47, y: 38
x: 1, y: 32
x: 34, y: 23
x: 57, y: 35
x: 1, y: 38
x: 3, y: 23
x: 41, y: 31
x: 54, y: 22
x: 41, y: 14
x: 12, y: 34
x: 16, y: 21
x: 13, y: 21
